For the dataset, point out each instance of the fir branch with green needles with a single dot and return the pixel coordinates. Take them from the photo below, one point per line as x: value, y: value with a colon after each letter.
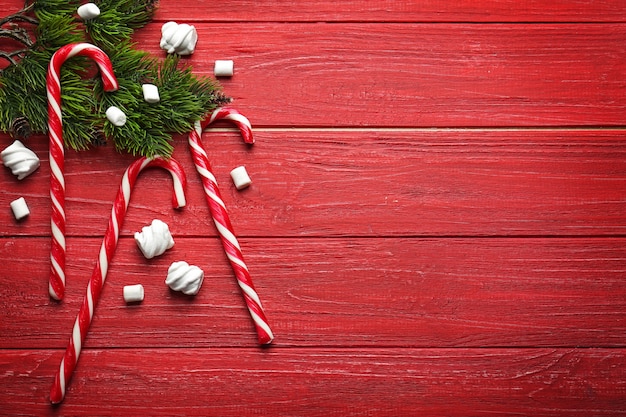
x: 185, y: 98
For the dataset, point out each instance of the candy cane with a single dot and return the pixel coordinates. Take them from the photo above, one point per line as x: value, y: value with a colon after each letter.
x: 98, y: 277
x: 57, y: 155
x: 241, y: 121
x: 222, y: 221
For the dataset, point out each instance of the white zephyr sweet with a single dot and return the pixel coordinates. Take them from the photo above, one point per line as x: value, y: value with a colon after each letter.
x: 150, y: 93
x: 224, y: 68
x: 240, y: 177
x: 184, y: 277
x: 116, y: 116
x: 21, y: 160
x: 20, y: 208
x: 179, y: 39
x: 154, y: 239
x: 88, y: 11
x: 133, y: 293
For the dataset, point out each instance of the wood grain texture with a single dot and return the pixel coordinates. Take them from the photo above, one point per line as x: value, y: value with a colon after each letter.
x: 434, y: 11
x: 418, y: 75
x: 436, y: 223
x: 322, y: 382
x: 334, y: 292
x: 346, y: 382
x: 397, y: 11
x: 358, y: 183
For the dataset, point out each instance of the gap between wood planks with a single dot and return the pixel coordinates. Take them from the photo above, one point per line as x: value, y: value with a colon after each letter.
x: 427, y: 129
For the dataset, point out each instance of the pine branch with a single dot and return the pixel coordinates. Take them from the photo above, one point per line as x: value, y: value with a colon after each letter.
x: 134, y: 14
x: 185, y: 98
x: 23, y: 94
x: 55, y: 31
x: 56, y: 7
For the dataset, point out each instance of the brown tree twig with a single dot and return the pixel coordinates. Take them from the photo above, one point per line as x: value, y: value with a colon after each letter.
x: 21, y: 16
x: 17, y: 33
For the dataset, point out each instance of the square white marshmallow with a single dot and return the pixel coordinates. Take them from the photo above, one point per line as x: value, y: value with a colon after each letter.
x: 240, y: 177
x: 224, y: 68
x: 20, y: 208
x: 150, y: 93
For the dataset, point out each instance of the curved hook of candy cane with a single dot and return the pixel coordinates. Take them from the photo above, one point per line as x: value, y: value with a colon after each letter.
x: 227, y: 113
x: 98, y: 277
x: 56, y: 286
x: 227, y: 235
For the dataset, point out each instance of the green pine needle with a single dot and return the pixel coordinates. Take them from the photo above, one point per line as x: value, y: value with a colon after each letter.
x: 185, y: 98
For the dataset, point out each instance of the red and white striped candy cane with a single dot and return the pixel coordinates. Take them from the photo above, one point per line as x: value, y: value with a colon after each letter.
x: 98, y: 277
x: 241, y: 121
x: 57, y: 153
x: 222, y: 221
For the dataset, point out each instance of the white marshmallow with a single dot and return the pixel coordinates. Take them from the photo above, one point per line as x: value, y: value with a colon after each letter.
x: 19, y: 208
x: 240, y: 177
x: 224, y: 68
x: 133, y: 293
x: 150, y: 93
x: 21, y: 160
x: 155, y: 239
x: 116, y: 116
x: 184, y: 277
x: 88, y: 11
x: 180, y: 39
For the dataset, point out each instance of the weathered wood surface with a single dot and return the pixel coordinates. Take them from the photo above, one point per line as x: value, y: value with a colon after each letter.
x: 410, y: 75
x: 334, y: 292
x: 358, y: 183
x: 436, y: 223
x: 322, y: 382
x: 433, y: 11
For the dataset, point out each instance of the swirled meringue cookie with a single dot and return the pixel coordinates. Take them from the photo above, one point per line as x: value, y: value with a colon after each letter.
x: 21, y: 160
x: 184, y: 277
x: 178, y: 39
x: 155, y: 239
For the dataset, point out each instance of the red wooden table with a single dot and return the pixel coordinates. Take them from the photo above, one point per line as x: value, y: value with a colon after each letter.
x: 436, y: 224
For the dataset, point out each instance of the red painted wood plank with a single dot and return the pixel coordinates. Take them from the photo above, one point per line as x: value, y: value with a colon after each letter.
x: 406, y: 11
x: 333, y: 292
x: 357, y: 183
x: 505, y: 320
x: 418, y: 75
x: 396, y: 11
x: 388, y: 11
x: 321, y: 382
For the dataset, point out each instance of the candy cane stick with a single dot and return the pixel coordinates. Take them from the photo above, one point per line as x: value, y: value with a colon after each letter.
x: 57, y: 154
x: 98, y: 277
x: 222, y: 221
x: 241, y: 121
